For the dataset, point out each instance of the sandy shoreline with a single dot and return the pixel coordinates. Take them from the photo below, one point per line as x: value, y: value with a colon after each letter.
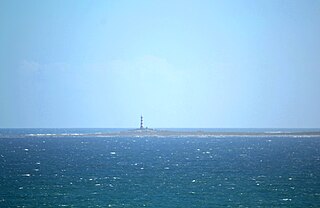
x: 136, y: 133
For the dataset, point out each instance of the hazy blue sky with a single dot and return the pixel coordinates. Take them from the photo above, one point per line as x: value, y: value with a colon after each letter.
x: 179, y: 63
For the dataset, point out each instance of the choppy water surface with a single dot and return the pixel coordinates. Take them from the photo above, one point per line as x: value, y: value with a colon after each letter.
x: 159, y: 172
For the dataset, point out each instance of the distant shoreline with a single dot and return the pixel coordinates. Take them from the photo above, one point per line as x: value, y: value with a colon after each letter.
x: 160, y: 133
x: 200, y: 133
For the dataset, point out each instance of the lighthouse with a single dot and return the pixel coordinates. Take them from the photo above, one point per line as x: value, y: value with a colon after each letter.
x: 141, y: 122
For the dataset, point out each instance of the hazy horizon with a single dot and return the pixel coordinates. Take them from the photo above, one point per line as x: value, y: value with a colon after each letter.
x: 182, y: 64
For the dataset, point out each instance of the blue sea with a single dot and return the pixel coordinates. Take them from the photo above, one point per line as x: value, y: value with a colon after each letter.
x: 59, y: 168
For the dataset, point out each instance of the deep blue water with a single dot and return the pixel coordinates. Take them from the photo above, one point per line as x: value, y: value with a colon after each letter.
x: 157, y: 172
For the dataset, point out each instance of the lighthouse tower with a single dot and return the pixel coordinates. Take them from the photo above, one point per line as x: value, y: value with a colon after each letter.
x: 141, y: 122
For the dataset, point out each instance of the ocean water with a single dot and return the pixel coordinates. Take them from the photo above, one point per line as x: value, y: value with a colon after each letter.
x: 83, y: 171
